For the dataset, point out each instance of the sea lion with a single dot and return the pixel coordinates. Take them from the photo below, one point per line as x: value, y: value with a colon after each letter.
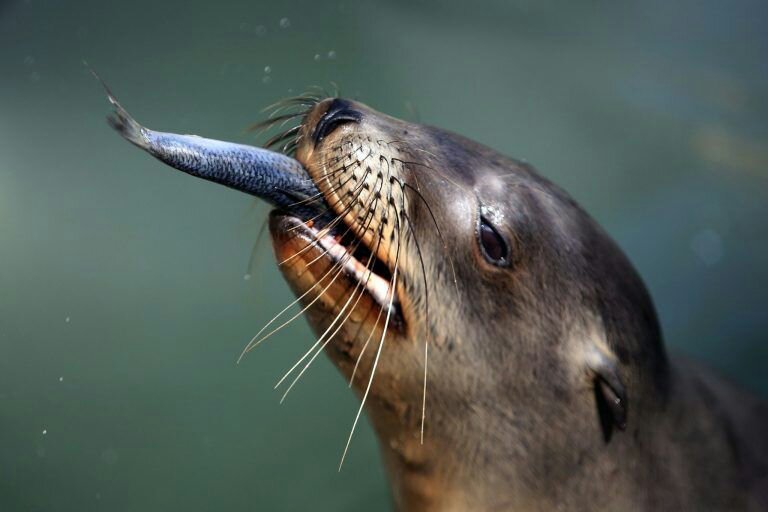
x: 505, y: 349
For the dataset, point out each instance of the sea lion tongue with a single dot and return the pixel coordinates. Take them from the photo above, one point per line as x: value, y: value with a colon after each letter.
x: 274, y: 177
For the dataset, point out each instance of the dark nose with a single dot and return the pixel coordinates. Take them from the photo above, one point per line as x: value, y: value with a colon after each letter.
x: 339, y: 112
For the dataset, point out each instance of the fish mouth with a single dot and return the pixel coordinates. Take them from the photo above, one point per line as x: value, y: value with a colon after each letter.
x: 335, y: 267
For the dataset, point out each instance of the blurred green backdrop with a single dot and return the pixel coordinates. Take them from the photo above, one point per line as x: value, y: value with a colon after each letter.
x: 125, y: 296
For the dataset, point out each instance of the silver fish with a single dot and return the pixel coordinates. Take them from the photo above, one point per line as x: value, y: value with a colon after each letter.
x: 274, y: 177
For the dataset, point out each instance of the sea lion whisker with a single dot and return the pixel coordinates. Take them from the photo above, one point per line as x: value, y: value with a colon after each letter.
x: 332, y: 188
x: 289, y: 135
x: 368, y: 272
x: 323, y: 93
x: 356, y: 233
x: 322, y: 233
x: 362, y: 287
x: 391, y: 293
x: 261, y: 126
x: 419, y: 164
x: 365, y: 346
x: 315, y: 345
x: 338, y: 267
x: 326, y: 229
x: 440, y: 234
x: 319, y: 197
x: 428, y: 327
x: 408, y: 149
x: 302, y: 99
x: 280, y: 137
x: 253, y: 343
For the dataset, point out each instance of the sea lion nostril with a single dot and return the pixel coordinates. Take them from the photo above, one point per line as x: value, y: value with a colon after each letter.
x: 339, y: 112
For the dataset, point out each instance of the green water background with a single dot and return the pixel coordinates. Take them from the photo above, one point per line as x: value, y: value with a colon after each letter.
x: 123, y: 293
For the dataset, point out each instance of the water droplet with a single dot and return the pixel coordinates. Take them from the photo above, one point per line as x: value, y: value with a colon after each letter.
x: 331, y: 54
x: 247, y: 277
x: 285, y: 23
x: 67, y: 319
x: 61, y: 379
x: 267, y: 69
x: 45, y: 431
x: 317, y: 56
x: 266, y: 79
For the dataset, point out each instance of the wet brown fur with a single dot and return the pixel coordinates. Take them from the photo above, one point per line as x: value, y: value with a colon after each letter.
x: 517, y: 353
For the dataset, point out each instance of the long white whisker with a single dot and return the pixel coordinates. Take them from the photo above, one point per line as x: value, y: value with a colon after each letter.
x: 365, y: 346
x: 325, y: 344
x: 371, y: 210
x: 378, y: 352
x: 253, y: 344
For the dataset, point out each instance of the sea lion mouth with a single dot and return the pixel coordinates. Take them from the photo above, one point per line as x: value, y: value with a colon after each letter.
x: 313, y: 227
x: 351, y: 259
x: 337, y: 268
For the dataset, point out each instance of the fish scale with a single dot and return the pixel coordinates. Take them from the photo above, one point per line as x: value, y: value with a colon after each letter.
x: 277, y: 178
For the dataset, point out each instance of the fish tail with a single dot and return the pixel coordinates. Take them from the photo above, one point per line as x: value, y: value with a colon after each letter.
x: 121, y: 120
x: 126, y: 125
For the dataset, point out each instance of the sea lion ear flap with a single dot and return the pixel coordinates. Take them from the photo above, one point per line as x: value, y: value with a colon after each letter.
x: 610, y: 393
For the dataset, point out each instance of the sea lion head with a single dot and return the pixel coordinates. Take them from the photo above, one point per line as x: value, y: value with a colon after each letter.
x: 450, y: 254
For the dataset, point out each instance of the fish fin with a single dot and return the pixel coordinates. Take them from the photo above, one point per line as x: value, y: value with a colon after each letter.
x: 121, y: 120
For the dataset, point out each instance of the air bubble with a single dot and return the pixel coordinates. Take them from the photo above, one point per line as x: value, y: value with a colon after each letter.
x: 285, y: 23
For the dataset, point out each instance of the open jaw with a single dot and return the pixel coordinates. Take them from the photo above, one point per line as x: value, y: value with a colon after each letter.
x: 345, y: 278
x: 333, y: 262
x: 336, y: 268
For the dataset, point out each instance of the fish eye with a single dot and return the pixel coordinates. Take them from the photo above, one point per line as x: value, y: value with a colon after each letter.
x: 339, y: 112
x: 492, y: 244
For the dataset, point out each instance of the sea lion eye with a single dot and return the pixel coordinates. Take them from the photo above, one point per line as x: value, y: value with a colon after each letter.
x: 339, y: 112
x: 493, y: 246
